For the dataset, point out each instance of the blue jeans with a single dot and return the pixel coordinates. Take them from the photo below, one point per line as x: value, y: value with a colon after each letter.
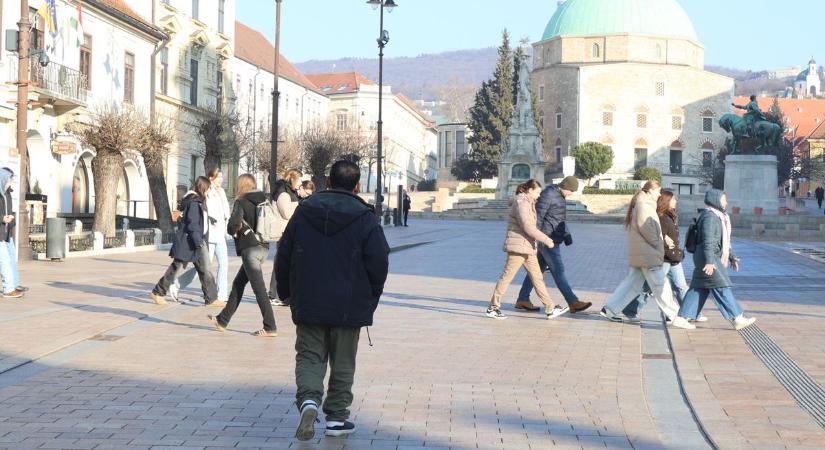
x: 676, y: 275
x: 216, y: 249
x: 725, y: 301
x: 629, y: 289
x: 8, y: 266
x: 550, y: 258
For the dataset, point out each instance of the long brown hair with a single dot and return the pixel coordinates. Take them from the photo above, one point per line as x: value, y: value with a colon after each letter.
x: 292, y: 175
x: 246, y: 183
x: 649, y: 186
x: 202, y: 185
x: 663, y: 204
x: 213, y: 173
x: 527, y: 185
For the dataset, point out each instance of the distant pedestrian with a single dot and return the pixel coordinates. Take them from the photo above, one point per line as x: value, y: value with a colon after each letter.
x: 520, y: 246
x: 8, y: 251
x: 820, y: 195
x: 217, y: 217
x: 190, y: 245
x: 285, y: 194
x: 332, y: 263
x: 306, y: 190
x: 646, y: 252
x: 551, y: 211
x: 407, y: 203
x: 711, y: 260
x: 242, y: 224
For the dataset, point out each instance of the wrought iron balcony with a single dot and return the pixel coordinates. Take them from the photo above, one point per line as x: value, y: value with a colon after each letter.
x: 56, y: 84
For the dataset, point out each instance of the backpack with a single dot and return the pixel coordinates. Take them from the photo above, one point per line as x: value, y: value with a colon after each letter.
x: 271, y: 225
x: 692, y: 236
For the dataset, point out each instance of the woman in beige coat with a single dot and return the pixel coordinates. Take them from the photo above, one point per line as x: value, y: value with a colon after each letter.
x: 520, y: 246
x: 646, y: 256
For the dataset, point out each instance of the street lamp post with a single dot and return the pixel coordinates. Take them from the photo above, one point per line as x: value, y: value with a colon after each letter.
x: 276, y: 95
x: 383, y: 39
x: 24, y: 248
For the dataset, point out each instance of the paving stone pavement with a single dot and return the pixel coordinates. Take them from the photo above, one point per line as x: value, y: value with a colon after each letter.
x: 439, y: 374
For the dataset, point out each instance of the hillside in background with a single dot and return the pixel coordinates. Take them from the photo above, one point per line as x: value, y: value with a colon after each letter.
x: 418, y: 77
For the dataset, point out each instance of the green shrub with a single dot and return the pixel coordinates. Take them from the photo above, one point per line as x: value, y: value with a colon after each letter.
x: 426, y: 186
x: 594, y: 191
x: 648, y: 173
x: 592, y: 159
x: 477, y: 189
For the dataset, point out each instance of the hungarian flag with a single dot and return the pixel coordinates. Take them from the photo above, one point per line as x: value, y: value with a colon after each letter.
x: 48, y: 11
x: 77, y: 24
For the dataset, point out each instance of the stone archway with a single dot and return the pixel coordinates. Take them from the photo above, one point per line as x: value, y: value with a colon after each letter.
x: 81, y: 186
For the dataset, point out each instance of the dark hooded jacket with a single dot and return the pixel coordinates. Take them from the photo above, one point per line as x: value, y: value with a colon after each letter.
x: 332, y: 261
x: 244, y: 220
x: 670, y: 227
x: 709, y: 247
x: 6, y: 205
x: 189, y: 236
x: 551, y: 211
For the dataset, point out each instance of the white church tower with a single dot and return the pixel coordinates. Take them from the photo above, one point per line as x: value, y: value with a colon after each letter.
x: 808, y: 83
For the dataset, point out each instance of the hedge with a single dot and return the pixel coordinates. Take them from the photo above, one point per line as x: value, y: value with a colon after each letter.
x: 476, y: 189
x: 596, y: 191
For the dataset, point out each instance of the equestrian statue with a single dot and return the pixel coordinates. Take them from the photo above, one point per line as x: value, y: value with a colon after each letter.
x: 753, y: 125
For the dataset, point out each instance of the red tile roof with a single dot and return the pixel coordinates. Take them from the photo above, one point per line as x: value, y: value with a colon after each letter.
x: 404, y: 99
x: 339, y: 82
x: 253, y: 47
x: 122, y: 7
x: 803, y: 115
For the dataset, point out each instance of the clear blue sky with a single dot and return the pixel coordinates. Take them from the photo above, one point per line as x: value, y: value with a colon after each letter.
x: 331, y: 29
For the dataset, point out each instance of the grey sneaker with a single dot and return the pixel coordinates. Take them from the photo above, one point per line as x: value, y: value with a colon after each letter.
x: 609, y: 316
x: 557, y: 311
x: 306, y: 426
x: 495, y: 314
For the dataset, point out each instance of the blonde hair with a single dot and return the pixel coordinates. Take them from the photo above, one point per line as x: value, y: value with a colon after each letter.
x: 246, y: 183
x: 649, y: 186
x: 291, y: 176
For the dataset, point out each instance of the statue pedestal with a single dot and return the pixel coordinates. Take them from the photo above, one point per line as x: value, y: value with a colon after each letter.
x: 517, y: 170
x: 750, y: 182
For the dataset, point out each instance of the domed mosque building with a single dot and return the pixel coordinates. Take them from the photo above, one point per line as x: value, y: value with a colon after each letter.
x: 630, y: 74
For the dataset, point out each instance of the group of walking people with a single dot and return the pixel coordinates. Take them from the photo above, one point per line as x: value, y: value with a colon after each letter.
x: 332, y: 260
x: 536, y: 227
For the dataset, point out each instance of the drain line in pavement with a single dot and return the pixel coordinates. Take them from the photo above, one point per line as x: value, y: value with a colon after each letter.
x: 805, y: 390
x: 668, y: 404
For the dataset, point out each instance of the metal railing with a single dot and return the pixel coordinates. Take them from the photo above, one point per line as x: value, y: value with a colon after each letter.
x: 118, y: 240
x: 58, y: 79
x: 38, y: 245
x: 37, y: 229
x: 82, y: 243
x: 167, y: 238
x: 144, y: 237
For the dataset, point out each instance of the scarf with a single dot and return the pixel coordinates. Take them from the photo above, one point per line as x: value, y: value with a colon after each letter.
x: 726, y: 231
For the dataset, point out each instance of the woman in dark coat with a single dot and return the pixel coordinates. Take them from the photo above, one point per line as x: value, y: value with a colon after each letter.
x: 711, y: 259
x: 242, y: 225
x: 189, y: 246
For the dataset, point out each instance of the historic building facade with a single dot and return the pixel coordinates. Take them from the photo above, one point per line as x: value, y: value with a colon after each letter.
x: 74, y: 71
x: 410, y: 139
x: 630, y: 74
x: 809, y: 82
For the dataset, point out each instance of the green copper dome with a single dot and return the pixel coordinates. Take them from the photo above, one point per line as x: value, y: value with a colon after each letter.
x: 605, y: 17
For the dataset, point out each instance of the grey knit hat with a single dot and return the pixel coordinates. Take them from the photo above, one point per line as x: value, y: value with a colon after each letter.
x: 570, y: 184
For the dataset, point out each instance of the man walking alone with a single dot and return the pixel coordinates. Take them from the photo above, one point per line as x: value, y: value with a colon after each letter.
x: 551, y: 211
x: 819, y: 193
x: 331, y: 264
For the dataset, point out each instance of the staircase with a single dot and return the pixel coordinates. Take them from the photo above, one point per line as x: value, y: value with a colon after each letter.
x: 481, y: 209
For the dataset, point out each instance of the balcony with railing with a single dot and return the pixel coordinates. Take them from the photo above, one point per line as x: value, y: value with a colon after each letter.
x: 61, y: 86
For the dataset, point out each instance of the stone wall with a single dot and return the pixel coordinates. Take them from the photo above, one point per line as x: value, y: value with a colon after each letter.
x: 603, y: 204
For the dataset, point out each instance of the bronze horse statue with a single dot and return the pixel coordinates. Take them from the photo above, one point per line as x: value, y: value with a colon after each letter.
x: 767, y: 132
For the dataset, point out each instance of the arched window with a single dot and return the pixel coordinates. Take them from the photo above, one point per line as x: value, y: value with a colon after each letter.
x: 123, y: 194
x: 80, y: 189
x: 597, y: 51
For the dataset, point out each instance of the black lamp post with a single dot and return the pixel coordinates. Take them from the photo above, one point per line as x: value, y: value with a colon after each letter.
x: 383, y: 39
x: 276, y: 94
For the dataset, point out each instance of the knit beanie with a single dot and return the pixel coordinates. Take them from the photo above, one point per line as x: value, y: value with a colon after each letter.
x: 570, y: 184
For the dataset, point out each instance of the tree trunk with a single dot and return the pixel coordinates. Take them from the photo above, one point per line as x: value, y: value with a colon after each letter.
x: 210, y: 160
x: 369, y: 176
x: 160, y: 199
x: 320, y: 182
x: 107, y: 168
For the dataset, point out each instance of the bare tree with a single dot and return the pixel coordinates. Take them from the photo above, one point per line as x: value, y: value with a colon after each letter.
x: 457, y: 96
x: 153, y: 141
x: 111, y: 132
x: 256, y: 150
x: 219, y: 132
x: 322, y: 145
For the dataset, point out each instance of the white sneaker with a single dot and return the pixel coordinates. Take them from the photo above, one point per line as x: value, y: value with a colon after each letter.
x: 681, y: 322
x: 495, y: 314
x: 701, y: 318
x: 306, y: 426
x: 173, y: 292
x: 557, y: 311
x: 741, y: 322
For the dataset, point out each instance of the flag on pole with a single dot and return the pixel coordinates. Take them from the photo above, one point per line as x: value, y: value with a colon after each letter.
x: 48, y: 11
x: 77, y: 24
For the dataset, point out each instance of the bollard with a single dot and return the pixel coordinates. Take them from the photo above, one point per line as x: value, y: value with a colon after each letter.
x: 98, y: 241
x: 130, y: 239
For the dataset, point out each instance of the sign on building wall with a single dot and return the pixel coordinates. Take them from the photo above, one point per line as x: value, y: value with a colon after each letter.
x: 64, y: 148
